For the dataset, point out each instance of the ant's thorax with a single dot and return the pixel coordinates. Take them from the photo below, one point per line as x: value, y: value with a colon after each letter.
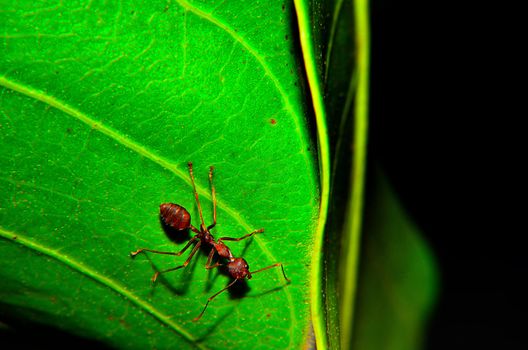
x: 205, y: 236
x: 220, y: 247
x: 223, y: 250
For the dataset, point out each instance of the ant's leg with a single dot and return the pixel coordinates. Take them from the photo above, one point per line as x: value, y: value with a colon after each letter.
x: 195, y: 249
x: 191, y: 241
x: 210, y: 259
x: 194, y: 229
x: 196, y: 193
x: 213, y: 192
x: 241, y: 238
x: 140, y: 250
x: 211, y: 298
x: 194, y: 239
x: 272, y: 266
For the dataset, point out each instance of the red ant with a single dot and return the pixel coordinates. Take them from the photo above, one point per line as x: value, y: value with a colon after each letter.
x: 177, y: 217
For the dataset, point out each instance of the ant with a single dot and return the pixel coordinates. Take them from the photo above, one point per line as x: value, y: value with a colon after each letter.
x: 177, y: 217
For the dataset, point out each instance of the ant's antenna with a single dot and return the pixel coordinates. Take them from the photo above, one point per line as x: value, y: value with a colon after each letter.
x: 196, y: 193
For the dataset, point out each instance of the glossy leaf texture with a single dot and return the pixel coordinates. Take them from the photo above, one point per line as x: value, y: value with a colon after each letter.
x: 102, y: 106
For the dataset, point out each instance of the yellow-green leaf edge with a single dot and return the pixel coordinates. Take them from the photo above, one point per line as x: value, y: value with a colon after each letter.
x: 355, y: 209
x: 316, y: 278
x: 360, y: 141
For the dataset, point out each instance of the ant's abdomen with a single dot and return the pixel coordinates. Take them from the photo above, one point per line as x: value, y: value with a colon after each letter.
x: 175, y: 216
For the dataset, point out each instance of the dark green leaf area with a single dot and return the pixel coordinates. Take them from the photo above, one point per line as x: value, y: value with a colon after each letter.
x: 336, y: 54
x: 47, y: 291
x: 398, y: 280
x: 102, y: 106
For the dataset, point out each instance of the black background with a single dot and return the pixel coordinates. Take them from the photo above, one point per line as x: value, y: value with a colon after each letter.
x: 440, y: 128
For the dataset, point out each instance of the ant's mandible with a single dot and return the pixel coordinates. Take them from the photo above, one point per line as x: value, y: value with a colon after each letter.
x: 177, y: 217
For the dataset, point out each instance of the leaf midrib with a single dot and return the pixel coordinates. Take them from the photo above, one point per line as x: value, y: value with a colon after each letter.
x: 98, y: 278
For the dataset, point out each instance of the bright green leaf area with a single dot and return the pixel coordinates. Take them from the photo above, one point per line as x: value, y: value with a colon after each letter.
x: 102, y: 105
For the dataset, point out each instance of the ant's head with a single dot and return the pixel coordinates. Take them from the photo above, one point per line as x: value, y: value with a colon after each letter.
x: 239, y: 268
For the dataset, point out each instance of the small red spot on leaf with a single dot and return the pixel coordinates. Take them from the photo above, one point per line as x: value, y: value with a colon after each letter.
x: 273, y: 121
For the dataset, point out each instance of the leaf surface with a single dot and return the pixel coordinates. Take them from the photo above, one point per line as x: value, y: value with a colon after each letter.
x: 102, y: 106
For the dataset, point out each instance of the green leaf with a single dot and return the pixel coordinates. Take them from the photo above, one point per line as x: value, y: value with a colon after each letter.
x: 398, y: 279
x: 102, y: 106
x: 347, y: 83
x: 337, y: 54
